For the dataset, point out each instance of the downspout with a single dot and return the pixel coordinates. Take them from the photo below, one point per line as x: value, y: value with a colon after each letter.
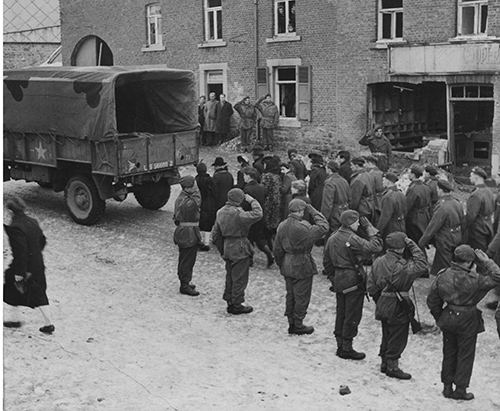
x: 256, y: 19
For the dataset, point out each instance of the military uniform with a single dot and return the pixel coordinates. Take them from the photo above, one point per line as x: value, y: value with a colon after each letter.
x: 444, y: 231
x: 378, y: 187
x: 335, y: 200
x: 460, y: 321
x: 187, y: 234
x: 391, y: 273
x: 363, y: 194
x: 418, y: 202
x: 381, y: 146
x: 479, y: 218
x: 431, y: 183
x: 292, y: 250
x: 230, y: 234
x: 393, y: 212
x: 339, y: 261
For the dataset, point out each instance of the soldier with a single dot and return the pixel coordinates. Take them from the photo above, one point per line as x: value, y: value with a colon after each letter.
x: 343, y: 251
x: 336, y: 196
x: 297, y: 165
x: 187, y: 233
x: 418, y: 202
x: 270, y: 119
x: 377, y: 183
x: 379, y: 145
x: 292, y: 249
x: 391, y: 278
x: 230, y: 234
x: 317, y: 178
x: 362, y: 190
x: 445, y: 227
x: 430, y: 180
x: 248, y: 114
x: 480, y: 211
x: 393, y: 207
x: 461, y: 287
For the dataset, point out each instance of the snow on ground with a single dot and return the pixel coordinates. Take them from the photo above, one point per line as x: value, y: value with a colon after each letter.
x: 127, y: 340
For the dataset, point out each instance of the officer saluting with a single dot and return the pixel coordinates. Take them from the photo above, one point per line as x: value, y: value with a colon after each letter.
x: 292, y: 249
x: 460, y: 287
x: 230, y: 235
x: 391, y: 278
x: 341, y: 260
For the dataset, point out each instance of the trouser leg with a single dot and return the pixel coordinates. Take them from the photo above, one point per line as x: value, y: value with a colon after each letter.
x: 465, y: 359
x: 290, y: 298
x: 229, y: 283
x: 264, y: 247
x: 383, y: 343
x: 339, y: 315
x: 45, y: 314
x: 187, y: 259
x: 397, y: 339
x: 245, y: 137
x: 239, y: 274
x: 450, y: 352
x: 353, y: 313
x: 302, y: 292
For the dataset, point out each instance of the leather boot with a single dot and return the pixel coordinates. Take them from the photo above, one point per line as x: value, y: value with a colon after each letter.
x: 448, y: 390
x: 383, y: 365
x: 188, y: 290
x: 290, y: 324
x: 299, y: 328
x: 339, y: 345
x: 239, y: 309
x: 461, y: 394
x: 394, y: 371
x: 349, y: 353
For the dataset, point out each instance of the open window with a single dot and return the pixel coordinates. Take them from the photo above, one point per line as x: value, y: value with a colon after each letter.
x: 153, y: 26
x: 284, y: 17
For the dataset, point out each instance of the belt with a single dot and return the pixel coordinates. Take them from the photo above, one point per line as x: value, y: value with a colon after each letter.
x: 186, y: 224
x: 462, y: 308
x: 391, y: 294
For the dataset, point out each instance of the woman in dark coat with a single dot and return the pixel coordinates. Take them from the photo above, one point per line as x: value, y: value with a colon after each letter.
x: 25, y: 282
x: 271, y: 180
x: 208, y: 207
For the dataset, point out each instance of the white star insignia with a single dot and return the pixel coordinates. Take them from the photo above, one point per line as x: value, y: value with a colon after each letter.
x: 40, y: 151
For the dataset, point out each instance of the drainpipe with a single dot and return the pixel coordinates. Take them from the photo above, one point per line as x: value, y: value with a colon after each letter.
x: 256, y: 19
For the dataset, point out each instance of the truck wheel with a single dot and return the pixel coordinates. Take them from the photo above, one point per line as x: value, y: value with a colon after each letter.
x: 83, y: 201
x: 153, y: 196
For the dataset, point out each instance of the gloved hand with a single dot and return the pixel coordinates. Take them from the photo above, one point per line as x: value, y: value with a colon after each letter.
x: 371, y: 231
x: 481, y: 256
x: 248, y: 198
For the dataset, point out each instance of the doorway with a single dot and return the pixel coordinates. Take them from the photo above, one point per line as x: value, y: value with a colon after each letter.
x: 92, y: 51
x: 214, y: 83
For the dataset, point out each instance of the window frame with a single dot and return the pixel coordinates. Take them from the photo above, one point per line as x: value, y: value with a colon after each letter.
x: 214, y: 10
x: 287, y: 18
x: 478, y: 10
x: 393, y: 12
x: 277, y: 94
x: 157, y: 19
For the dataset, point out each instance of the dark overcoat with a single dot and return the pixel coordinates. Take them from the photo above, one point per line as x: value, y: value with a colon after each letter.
x: 479, y: 218
x: 223, y: 117
x: 208, y: 203
x: 223, y: 182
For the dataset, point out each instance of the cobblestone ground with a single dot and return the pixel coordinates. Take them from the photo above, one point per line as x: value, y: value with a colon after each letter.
x: 127, y: 340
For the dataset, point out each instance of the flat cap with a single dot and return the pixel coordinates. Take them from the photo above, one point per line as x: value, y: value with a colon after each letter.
x: 187, y: 181
x: 296, y: 205
x: 349, y: 217
x: 332, y: 165
x: 16, y: 204
x: 236, y: 195
x: 395, y: 240
x: 417, y: 169
x: 464, y: 253
x: 393, y: 178
x: 444, y: 185
x: 432, y: 170
x: 359, y: 161
x: 480, y: 172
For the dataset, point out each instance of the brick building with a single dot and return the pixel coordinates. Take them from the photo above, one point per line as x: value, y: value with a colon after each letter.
x: 425, y: 70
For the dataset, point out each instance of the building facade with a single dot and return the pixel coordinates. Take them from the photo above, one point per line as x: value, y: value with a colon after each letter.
x: 424, y: 70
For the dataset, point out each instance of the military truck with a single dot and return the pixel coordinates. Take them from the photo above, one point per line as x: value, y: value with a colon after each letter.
x: 100, y: 132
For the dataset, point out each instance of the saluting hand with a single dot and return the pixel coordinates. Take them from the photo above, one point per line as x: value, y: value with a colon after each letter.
x: 481, y: 256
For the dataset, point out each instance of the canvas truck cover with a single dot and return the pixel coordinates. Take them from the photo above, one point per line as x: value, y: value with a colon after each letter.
x: 98, y: 102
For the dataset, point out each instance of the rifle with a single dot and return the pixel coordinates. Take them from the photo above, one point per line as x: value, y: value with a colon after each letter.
x: 361, y: 274
x: 414, y: 324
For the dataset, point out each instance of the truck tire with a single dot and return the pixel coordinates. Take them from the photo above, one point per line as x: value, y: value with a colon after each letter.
x: 83, y: 201
x: 153, y: 196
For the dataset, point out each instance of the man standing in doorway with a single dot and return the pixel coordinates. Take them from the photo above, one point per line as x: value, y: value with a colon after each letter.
x: 270, y: 119
x: 210, y: 117
x: 223, y: 119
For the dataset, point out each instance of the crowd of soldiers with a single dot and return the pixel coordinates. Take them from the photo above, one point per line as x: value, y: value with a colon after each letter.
x: 356, y: 211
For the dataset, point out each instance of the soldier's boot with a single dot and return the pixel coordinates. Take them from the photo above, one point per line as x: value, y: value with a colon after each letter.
x: 299, y: 328
x: 448, y: 390
x: 394, y: 371
x: 461, y: 394
x: 349, y: 353
x: 239, y: 309
x: 339, y: 344
x: 383, y: 365
x: 290, y: 324
x: 187, y: 289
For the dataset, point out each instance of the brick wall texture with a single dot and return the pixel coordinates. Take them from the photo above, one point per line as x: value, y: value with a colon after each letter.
x: 19, y: 55
x: 337, y: 40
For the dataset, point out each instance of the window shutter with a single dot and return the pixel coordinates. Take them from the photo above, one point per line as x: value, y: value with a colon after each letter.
x: 304, y: 92
x: 262, y: 82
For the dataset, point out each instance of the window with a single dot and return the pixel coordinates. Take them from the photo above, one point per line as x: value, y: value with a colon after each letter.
x: 472, y: 17
x: 286, y: 91
x: 390, y: 20
x: 153, y: 21
x: 213, y: 20
x: 284, y: 17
